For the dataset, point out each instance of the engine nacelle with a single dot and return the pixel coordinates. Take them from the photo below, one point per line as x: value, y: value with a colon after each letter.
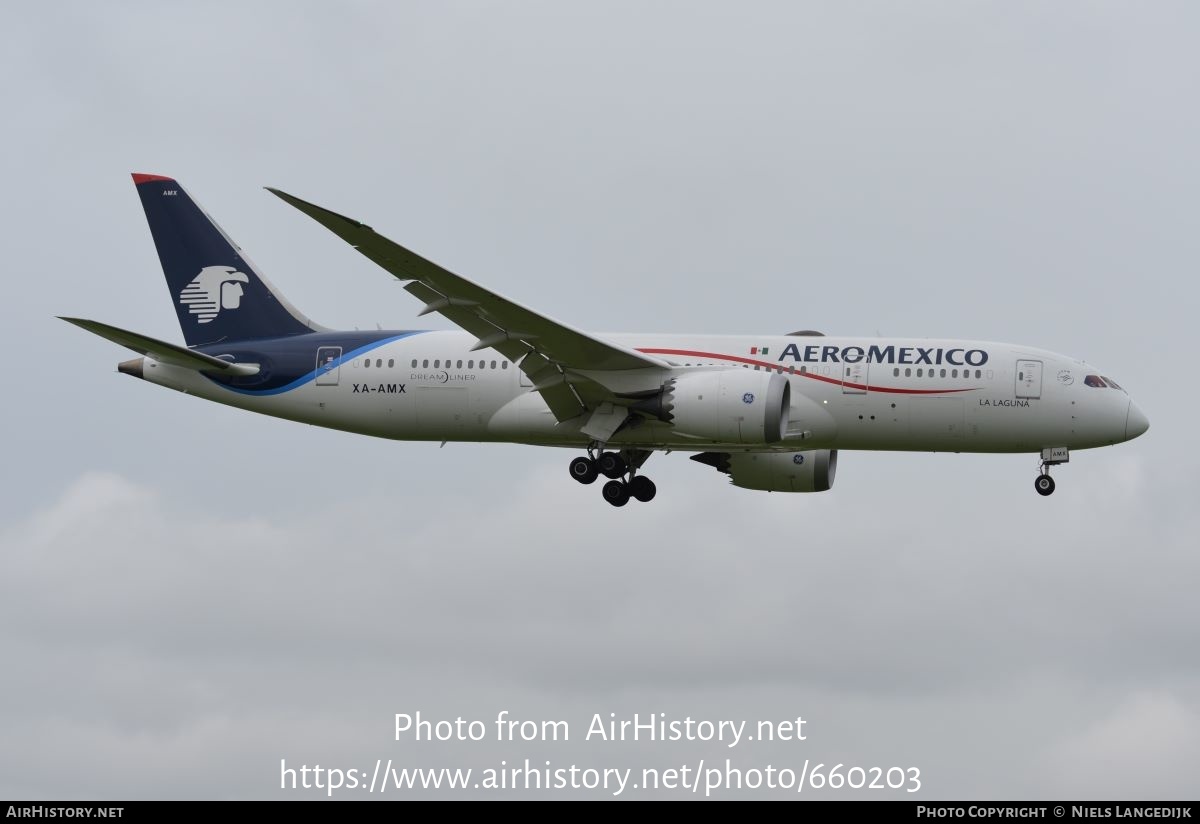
x: 730, y: 405
x: 810, y: 471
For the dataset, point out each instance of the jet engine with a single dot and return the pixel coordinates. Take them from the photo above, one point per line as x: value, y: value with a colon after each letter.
x: 725, y: 406
x: 810, y: 471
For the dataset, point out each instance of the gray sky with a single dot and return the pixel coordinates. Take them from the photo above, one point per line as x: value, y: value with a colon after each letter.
x: 175, y: 620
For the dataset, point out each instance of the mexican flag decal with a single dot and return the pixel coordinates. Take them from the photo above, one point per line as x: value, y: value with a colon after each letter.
x: 754, y: 350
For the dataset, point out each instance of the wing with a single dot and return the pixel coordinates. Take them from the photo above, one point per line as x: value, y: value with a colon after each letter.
x: 553, y: 355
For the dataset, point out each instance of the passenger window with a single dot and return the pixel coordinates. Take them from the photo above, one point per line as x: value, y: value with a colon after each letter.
x: 943, y: 373
x: 425, y: 363
x: 954, y: 373
x: 896, y: 372
x: 391, y: 362
x: 414, y: 366
x: 920, y: 373
x: 908, y: 371
x: 803, y: 370
x: 503, y: 364
x: 379, y: 363
x: 459, y: 365
x: 367, y: 363
x: 1094, y: 380
x: 470, y: 364
x: 978, y: 373
x: 437, y: 363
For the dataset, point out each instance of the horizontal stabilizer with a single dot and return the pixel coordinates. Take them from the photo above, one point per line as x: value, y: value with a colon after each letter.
x: 164, y: 352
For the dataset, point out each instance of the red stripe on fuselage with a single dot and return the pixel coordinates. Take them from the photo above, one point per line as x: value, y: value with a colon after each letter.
x: 787, y: 371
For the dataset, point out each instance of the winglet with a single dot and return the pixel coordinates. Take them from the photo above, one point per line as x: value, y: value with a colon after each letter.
x: 139, y: 178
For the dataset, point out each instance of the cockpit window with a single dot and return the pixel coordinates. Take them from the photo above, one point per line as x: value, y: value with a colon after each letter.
x: 1112, y: 383
x: 1094, y: 380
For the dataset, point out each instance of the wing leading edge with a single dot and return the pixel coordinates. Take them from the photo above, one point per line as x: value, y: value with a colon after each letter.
x: 554, y: 356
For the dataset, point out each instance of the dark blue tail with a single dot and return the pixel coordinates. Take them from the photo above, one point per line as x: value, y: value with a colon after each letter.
x: 218, y: 294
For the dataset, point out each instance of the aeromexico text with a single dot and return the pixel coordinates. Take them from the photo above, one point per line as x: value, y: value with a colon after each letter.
x: 914, y: 355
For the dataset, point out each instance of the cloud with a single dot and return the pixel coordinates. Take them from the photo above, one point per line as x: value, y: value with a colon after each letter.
x: 1145, y: 747
x: 158, y: 630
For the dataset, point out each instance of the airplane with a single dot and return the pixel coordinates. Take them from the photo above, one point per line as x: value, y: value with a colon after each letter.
x: 770, y: 411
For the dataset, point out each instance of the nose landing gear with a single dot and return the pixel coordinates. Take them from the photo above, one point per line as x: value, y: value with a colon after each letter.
x: 1044, y: 484
x: 1050, y: 457
x: 621, y: 467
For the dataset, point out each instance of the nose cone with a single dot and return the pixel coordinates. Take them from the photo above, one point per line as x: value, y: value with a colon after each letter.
x: 1136, y: 422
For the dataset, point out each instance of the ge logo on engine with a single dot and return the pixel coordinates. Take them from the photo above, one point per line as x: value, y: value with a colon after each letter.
x: 748, y: 397
x: 797, y: 459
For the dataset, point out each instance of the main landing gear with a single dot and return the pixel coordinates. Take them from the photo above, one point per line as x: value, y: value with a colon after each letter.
x: 621, y: 468
x: 1050, y: 457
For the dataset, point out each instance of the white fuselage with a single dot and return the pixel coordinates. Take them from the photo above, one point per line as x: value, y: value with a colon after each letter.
x: 846, y: 393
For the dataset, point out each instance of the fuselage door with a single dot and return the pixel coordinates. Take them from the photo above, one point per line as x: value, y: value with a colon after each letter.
x: 328, y: 365
x: 1029, y: 379
x: 854, y: 378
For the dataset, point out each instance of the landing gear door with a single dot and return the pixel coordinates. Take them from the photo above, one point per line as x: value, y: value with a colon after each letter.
x: 1029, y: 379
x: 329, y: 360
x: 854, y: 378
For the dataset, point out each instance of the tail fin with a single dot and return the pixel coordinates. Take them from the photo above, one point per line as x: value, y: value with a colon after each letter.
x: 217, y: 292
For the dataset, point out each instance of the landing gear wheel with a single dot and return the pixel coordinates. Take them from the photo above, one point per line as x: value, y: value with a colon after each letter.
x: 642, y: 488
x: 611, y: 465
x: 1044, y: 485
x: 584, y: 470
x: 616, y: 493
